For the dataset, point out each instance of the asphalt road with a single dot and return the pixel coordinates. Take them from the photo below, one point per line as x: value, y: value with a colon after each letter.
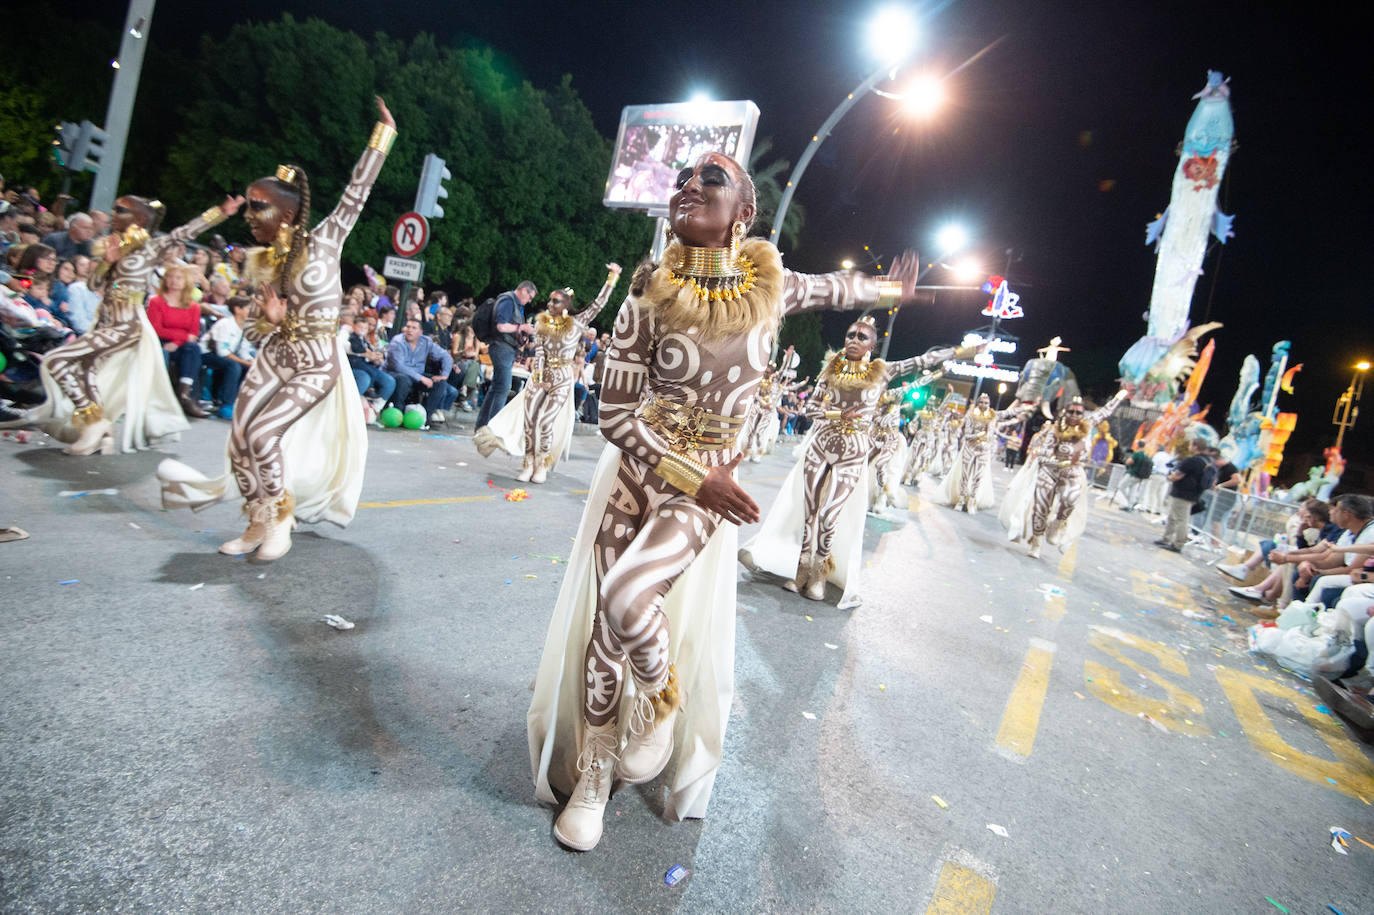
x: 180, y: 731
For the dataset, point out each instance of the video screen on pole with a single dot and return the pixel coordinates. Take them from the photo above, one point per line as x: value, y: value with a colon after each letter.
x: 656, y: 142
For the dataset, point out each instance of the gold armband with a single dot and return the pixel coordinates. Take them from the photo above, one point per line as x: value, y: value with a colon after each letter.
x: 263, y: 327
x: 213, y: 216
x: 832, y: 415
x: 537, y: 377
x: 383, y: 135
x: 681, y: 471
x: 612, y: 278
x: 889, y: 294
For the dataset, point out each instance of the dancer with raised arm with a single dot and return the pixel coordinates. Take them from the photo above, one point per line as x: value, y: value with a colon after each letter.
x: 968, y: 485
x: 118, y: 368
x: 814, y: 531
x: 537, y: 423
x: 297, y: 444
x: 1046, y: 499
x: 651, y: 582
x: 889, y: 453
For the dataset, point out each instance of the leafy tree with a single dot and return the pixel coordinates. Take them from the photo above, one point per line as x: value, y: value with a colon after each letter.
x: 768, y: 184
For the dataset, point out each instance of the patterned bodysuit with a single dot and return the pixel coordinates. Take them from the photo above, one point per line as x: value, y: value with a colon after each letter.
x: 838, y: 453
x: 656, y: 383
x: 887, y: 437
x: 298, y: 360
x: 555, y: 361
x: 922, y: 446
x: 1063, y: 450
x: 980, y: 442
x: 123, y: 287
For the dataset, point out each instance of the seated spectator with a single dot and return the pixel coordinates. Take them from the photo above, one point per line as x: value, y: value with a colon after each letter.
x: 80, y: 308
x: 1310, y: 524
x: 40, y: 261
x: 231, y: 268
x: 1322, y: 572
x: 100, y: 223
x: 440, y: 330
x: 406, y: 360
x: 466, y: 350
x: 28, y: 232
x: 1355, y: 616
x: 366, y: 359
x: 176, y: 321
x: 73, y: 240
x: 386, y: 319
x: 227, y: 354
x: 9, y: 225
x: 214, y: 305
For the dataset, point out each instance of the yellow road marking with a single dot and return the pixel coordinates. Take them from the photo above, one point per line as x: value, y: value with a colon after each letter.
x: 961, y: 891
x: 1068, y: 562
x: 1174, y: 712
x: 406, y: 503
x: 1146, y: 587
x: 1351, y: 769
x: 1021, y: 720
x: 1056, y: 605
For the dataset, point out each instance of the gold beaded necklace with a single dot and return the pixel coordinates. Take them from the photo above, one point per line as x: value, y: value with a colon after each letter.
x: 714, y: 274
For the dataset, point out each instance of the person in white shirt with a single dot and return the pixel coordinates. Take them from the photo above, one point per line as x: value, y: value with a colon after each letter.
x: 81, y: 300
x: 227, y: 354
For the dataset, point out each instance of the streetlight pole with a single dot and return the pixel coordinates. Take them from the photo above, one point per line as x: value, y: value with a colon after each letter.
x: 887, y: 71
x: 1348, y: 404
x: 121, y: 108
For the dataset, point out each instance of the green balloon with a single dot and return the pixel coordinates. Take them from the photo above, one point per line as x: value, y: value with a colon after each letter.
x: 414, y: 419
x: 391, y: 417
x: 3, y: 362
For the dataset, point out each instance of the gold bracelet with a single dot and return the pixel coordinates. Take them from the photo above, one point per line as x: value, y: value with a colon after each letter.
x: 263, y: 327
x: 537, y: 377
x: 213, y: 216
x: 832, y: 415
x: 612, y: 278
x: 383, y: 135
x: 889, y: 294
x: 681, y: 471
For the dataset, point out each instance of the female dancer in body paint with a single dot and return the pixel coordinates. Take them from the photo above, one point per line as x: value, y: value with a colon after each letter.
x: 1053, y: 480
x: 798, y: 537
x: 296, y: 387
x: 968, y: 485
x: 889, y: 451
x: 118, y: 367
x: 537, y: 423
x: 651, y: 582
x: 921, y: 447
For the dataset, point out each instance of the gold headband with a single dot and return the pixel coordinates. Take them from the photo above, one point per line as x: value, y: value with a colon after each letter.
x: 286, y: 173
x: 156, y: 205
x: 867, y: 319
x: 567, y: 291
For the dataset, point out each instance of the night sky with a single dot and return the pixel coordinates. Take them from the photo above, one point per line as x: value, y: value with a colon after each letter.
x: 1057, y: 143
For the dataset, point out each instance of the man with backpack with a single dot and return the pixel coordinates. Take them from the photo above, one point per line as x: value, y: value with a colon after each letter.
x: 497, y: 324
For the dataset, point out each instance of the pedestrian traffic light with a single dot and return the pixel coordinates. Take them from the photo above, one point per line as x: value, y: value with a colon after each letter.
x: 64, y: 140
x: 88, y: 149
x: 431, y: 189
x: 917, y: 396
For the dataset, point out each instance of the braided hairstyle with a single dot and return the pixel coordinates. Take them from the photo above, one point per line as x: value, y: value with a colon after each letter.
x: 298, y: 188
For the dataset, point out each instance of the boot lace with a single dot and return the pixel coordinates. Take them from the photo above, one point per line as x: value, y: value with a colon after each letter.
x: 595, y: 761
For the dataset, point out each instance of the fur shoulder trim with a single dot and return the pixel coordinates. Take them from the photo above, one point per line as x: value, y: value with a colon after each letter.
x: 678, y: 308
x: 837, y: 374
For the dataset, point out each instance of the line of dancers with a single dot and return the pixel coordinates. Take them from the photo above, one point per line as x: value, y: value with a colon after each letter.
x: 637, y: 668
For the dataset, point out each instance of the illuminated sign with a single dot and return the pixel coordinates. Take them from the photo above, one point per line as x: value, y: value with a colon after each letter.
x: 992, y: 372
x: 996, y: 345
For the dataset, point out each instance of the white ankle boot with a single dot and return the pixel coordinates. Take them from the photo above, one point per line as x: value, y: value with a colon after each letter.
x: 649, y: 743
x: 94, y: 437
x: 258, y: 511
x: 798, y: 581
x: 541, y: 468
x: 579, y: 825
x: 526, y: 469
x: 816, y: 578
x: 1034, y: 548
x: 276, y: 541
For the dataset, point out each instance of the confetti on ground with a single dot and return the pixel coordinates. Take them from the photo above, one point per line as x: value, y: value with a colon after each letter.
x: 831, y: 647
x: 985, y: 619
x: 808, y: 716
x: 939, y: 800
x: 197, y: 587
x: 1111, y: 615
x: 261, y: 576
x: 809, y: 620
x: 1340, y: 840
x: 338, y: 622
x: 999, y: 830
x: 676, y: 874
x: 78, y: 493
x: 531, y: 576
x: 1276, y: 905
x: 1079, y: 695
x: 1362, y: 841
x: 135, y: 526
x: 70, y: 581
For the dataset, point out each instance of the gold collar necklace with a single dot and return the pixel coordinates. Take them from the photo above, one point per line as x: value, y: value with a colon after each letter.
x: 715, y: 274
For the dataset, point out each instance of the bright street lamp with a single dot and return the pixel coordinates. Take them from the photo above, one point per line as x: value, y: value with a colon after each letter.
x: 1348, y: 404
x: 892, y: 39
x: 951, y: 238
x: 925, y: 96
x: 847, y: 264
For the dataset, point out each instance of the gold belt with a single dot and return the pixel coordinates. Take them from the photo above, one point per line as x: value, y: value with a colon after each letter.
x: 553, y: 362
x: 690, y: 428
x: 847, y: 427
x: 297, y: 329
x: 123, y: 295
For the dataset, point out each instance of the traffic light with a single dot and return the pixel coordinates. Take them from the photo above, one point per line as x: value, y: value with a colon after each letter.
x: 431, y: 189
x: 88, y: 149
x: 917, y: 396
x: 64, y: 141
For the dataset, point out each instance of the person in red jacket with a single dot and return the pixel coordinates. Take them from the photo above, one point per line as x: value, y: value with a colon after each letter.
x: 176, y: 321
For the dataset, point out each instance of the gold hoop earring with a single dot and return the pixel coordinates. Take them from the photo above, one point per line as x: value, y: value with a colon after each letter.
x: 736, y: 236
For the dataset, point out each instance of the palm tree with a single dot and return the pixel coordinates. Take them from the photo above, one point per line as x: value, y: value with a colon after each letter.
x: 768, y: 182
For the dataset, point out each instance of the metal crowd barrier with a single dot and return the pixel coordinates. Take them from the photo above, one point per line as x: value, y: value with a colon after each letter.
x: 1233, y: 519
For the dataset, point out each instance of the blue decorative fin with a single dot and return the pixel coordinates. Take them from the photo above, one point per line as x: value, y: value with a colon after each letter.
x: 1221, y: 226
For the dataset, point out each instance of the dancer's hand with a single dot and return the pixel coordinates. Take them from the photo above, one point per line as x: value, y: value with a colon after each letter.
x: 721, y: 494
x: 905, y: 270
x: 613, y: 267
x: 231, y: 205
x: 384, y: 114
x: 852, y: 414
x: 271, y: 304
